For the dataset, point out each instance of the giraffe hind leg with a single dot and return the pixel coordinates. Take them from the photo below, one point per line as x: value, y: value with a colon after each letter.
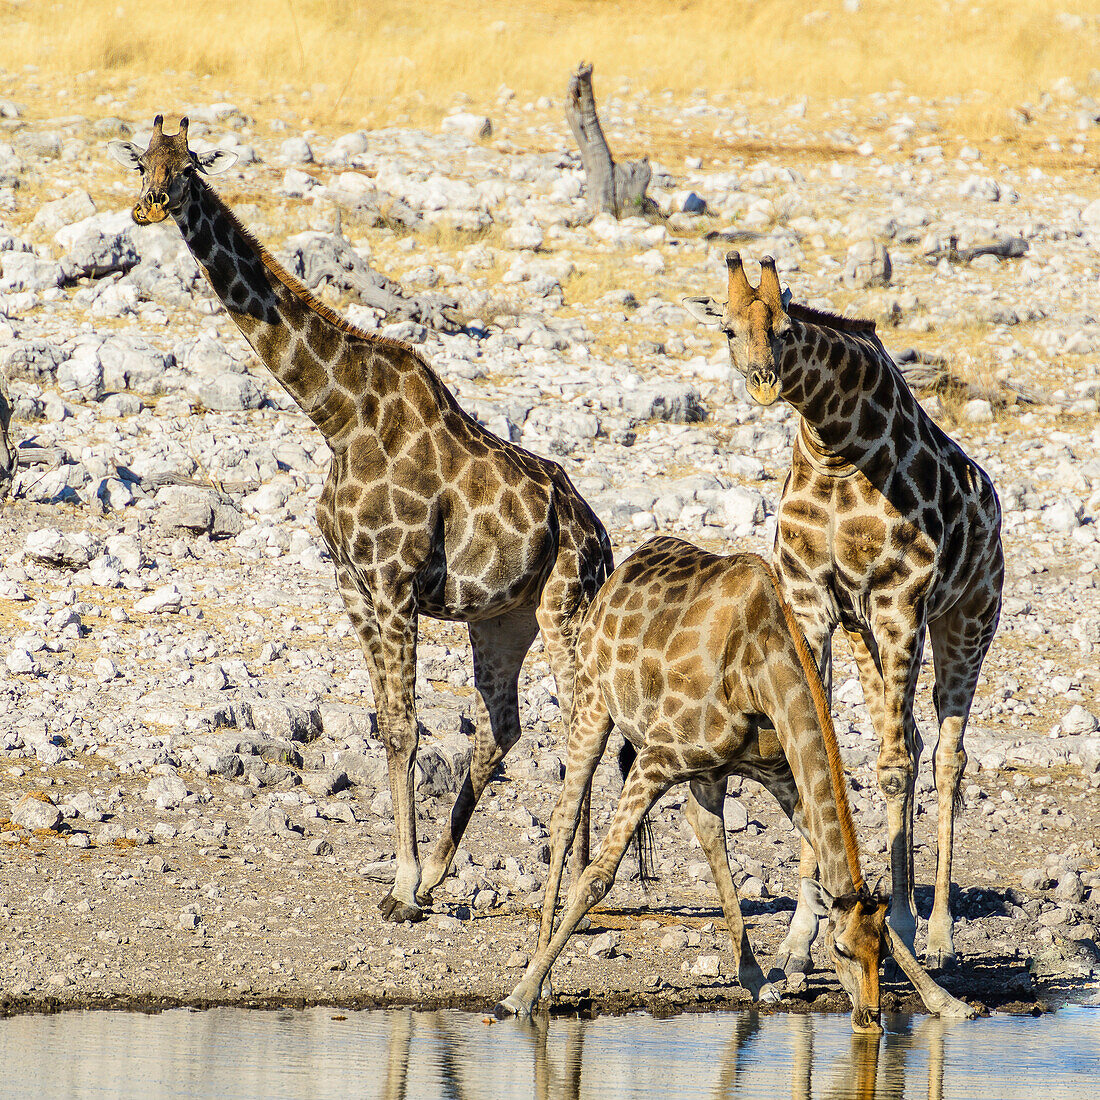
x: 565, y: 598
x: 645, y: 784
x: 499, y: 647
x: 588, y: 733
x: 960, y: 641
x: 793, y: 956
x: 704, y: 814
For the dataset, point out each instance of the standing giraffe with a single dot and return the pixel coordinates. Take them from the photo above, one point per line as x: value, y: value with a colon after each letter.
x: 423, y: 510
x: 702, y: 667
x: 885, y: 528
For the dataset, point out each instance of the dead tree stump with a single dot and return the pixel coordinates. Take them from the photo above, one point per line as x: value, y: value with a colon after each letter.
x: 9, y: 460
x: 616, y: 189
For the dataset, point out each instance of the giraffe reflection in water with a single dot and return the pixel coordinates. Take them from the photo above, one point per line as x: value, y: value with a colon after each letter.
x: 770, y: 1052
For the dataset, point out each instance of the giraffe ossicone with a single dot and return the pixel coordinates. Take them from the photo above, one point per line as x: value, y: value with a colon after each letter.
x: 423, y: 511
x: 701, y: 666
x: 885, y: 528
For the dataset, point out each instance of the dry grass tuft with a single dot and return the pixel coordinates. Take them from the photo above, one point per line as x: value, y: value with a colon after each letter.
x: 347, y: 62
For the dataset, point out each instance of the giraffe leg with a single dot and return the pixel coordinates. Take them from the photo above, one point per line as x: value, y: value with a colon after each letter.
x: 388, y: 639
x: 647, y: 781
x: 960, y: 641
x: 793, y: 956
x: 499, y: 647
x: 565, y: 597
x: 704, y: 814
x: 397, y: 624
x: 588, y: 733
x: 899, y: 753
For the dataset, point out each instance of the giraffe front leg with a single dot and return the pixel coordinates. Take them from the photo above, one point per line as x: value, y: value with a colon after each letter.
x: 565, y: 597
x: 704, y: 814
x: 949, y: 761
x: 794, y: 956
x: 397, y: 633
x: 387, y: 652
x: 899, y: 753
x: 795, y: 952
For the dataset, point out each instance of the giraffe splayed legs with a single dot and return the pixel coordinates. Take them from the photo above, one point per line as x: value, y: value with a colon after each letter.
x: 698, y: 662
x: 423, y: 510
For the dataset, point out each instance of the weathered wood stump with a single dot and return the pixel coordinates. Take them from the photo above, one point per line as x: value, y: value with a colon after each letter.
x: 8, y: 459
x: 616, y: 189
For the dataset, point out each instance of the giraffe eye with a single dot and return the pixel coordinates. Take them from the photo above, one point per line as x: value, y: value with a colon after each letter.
x: 843, y: 952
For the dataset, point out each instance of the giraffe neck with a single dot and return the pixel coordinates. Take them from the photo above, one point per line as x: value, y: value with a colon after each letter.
x: 297, y: 338
x: 852, y: 400
x: 813, y: 753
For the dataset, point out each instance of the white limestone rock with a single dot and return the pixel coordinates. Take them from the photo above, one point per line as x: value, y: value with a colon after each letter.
x: 867, y: 264
x: 24, y: 271
x: 64, y: 549
x: 471, y: 126
x: 99, y: 245
x: 1077, y: 720
x: 54, y: 215
x: 36, y: 811
x: 166, y: 599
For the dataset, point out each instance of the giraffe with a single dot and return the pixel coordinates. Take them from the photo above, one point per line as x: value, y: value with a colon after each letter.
x: 423, y: 510
x: 701, y: 665
x: 885, y: 528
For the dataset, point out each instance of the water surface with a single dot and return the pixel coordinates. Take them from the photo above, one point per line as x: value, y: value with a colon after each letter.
x: 238, y: 1053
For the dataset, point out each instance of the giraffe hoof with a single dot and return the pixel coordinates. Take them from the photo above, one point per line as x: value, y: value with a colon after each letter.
x: 510, y: 1006
x: 940, y: 961
x: 770, y: 994
x: 397, y: 911
x: 793, y: 963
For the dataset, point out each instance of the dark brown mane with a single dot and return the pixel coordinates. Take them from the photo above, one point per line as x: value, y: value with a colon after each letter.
x: 823, y: 317
x: 303, y: 293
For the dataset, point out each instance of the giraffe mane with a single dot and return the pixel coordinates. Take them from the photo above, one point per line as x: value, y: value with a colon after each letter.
x: 828, y: 319
x: 828, y: 735
x: 302, y: 292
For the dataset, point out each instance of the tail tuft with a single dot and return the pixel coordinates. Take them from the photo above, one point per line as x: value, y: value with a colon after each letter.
x: 643, y: 835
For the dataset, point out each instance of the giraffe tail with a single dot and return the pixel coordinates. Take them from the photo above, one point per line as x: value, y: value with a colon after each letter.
x: 643, y: 835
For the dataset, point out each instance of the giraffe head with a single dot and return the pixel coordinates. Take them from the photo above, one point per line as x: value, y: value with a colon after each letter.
x: 857, y: 935
x: 167, y: 170
x: 754, y: 322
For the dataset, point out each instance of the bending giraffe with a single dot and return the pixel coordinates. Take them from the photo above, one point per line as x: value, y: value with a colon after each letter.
x: 885, y: 528
x: 423, y: 510
x: 701, y: 666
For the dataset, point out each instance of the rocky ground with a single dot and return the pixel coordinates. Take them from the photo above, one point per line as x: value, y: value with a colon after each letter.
x: 198, y: 811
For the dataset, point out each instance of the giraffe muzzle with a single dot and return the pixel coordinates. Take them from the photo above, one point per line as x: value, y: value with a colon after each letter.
x: 865, y: 1021
x: 152, y: 208
x: 763, y: 386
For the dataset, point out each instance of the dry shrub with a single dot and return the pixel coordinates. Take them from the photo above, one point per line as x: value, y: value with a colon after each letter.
x: 372, y: 60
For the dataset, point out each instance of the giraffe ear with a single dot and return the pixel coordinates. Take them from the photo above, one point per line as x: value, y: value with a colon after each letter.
x: 126, y: 153
x: 215, y: 161
x: 785, y: 297
x: 705, y: 310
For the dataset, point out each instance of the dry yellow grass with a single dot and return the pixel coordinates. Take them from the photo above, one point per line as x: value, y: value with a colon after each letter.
x: 371, y: 60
